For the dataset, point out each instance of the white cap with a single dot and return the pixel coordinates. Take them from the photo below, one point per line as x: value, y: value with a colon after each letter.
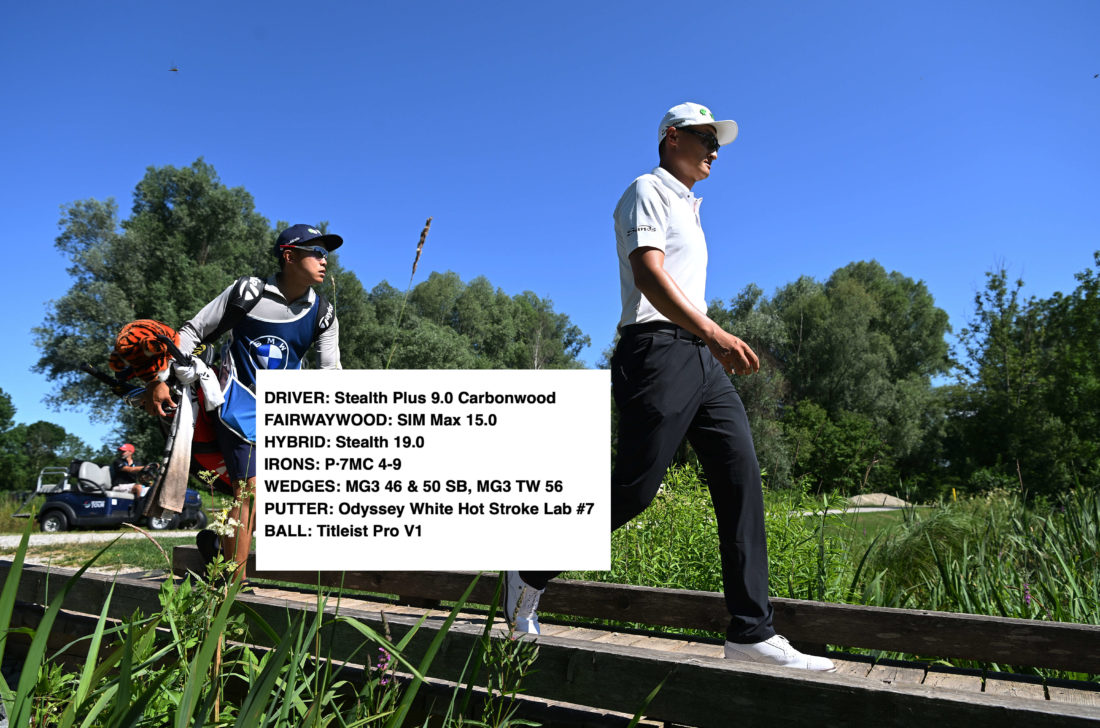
x: 689, y: 114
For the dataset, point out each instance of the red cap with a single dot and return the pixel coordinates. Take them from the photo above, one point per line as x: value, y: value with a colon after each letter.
x: 126, y: 448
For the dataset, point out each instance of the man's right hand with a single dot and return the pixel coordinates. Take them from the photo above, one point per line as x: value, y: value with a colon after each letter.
x: 735, y: 356
x: 158, y: 400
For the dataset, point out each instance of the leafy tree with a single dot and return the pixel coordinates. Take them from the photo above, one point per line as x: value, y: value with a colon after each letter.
x: 26, y: 449
x: 12, y: 460
x: 189, y: 236
x: 41, y: 442
x: 545, y: 340
x: 840, y: 452
x: 764, y: 393
x: 1074, y: 395
x: 7, y: 411
x: 451, y: 325
x: 863, y: 348
x: 1025, y: 414
x: 1000, y: 415
x: 447, y: 324
x: 868, y: 342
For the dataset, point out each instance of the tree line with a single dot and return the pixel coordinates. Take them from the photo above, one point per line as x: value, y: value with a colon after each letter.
x: 858, y: 388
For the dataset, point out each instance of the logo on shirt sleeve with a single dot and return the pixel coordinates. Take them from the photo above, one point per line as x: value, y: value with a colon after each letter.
x: 641, y: 229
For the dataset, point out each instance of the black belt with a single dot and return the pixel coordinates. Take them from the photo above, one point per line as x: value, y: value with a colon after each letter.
x: 660, y: 327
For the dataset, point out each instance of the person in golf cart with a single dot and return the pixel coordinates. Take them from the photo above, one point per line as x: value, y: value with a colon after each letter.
x: 125, y: 473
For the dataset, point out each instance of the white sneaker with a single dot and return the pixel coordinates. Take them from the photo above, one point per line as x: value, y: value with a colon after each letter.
x: 521, y: 600
x: 778, y: 651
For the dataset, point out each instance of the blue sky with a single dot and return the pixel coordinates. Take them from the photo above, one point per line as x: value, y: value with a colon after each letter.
x: 943, y: 139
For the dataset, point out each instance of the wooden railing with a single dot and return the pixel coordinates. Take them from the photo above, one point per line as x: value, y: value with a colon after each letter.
x: 1017, y: 642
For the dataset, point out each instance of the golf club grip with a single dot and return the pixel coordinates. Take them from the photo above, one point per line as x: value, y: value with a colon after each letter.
x: 178, y: 355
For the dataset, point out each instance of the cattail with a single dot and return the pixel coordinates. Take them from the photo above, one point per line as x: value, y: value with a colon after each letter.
x: 401, y: 313
x: 420, y: 246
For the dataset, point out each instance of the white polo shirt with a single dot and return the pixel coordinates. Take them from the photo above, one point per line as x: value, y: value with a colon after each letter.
x: 659, y: 211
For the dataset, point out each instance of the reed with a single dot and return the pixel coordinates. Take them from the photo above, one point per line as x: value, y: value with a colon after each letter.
x: 401, y: 312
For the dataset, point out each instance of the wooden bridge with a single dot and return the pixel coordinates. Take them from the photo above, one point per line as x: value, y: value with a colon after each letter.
x: 593, y: 675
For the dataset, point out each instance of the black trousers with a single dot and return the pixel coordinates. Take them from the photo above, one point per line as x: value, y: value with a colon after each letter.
x: 668, y: 386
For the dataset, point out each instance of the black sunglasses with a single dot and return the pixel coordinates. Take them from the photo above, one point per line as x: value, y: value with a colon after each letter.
x: 709, y: 140
x: 311, y: 251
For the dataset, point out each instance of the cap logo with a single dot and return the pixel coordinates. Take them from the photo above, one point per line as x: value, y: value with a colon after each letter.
x: 315, y: 232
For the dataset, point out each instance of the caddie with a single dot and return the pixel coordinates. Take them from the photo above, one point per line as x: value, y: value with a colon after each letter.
x: 272, y: 324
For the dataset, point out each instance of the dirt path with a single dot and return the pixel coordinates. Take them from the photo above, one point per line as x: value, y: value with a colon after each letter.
x: 10, y: 541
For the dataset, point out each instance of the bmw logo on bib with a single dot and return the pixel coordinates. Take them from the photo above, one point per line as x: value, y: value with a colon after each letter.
x: 269, y: 352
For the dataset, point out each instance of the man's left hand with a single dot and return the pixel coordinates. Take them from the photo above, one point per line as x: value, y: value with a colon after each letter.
x: 735, y: 356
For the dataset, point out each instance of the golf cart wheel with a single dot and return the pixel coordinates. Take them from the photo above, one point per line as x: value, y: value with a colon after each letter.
x: 160, y: 523
x: 54, y: 522
x: 200, y: 521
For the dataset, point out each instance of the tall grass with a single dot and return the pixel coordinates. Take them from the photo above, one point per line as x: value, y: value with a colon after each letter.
x: 806, y: 558
x: 993, y: 555
x: 10, y: 503
x: 657, y: 549
x: 191, y: 664
x: 674, y: 544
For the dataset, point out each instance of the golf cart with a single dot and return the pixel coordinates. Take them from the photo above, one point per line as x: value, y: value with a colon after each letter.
x: 80, y: 496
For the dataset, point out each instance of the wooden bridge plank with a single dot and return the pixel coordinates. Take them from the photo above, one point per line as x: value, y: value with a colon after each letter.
x: 396, y: 609
x: 1021, y: 686
x: 893, y: 672
x: 553, y: 630
x: 621, y: 638
x: 953, y: 678
x: 1073, y: 693
x: 663, y: 644
x: 582, y: 633
x: 702, y: 649
x: 657, y: 644
x: 855, y: 665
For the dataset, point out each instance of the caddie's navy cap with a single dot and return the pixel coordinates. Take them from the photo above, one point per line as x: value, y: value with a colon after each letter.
x: 301, y: 235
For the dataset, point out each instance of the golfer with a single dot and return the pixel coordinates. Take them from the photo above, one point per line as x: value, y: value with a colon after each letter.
x: 670, y: 380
